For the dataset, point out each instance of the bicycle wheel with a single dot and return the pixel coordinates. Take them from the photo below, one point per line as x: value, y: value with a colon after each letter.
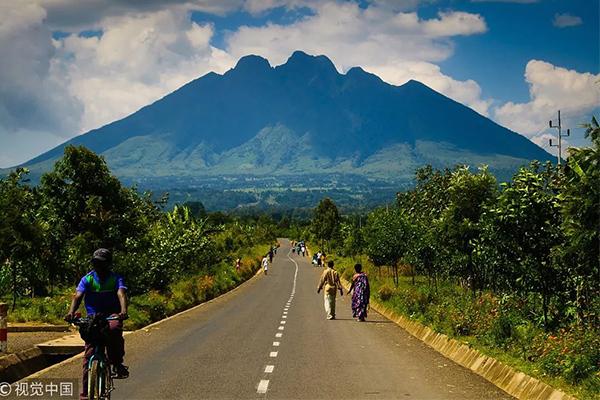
x: 94, y: 381
x: 105, y: 386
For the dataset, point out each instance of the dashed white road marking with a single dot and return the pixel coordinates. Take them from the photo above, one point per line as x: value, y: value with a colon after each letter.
x: 262, y: 386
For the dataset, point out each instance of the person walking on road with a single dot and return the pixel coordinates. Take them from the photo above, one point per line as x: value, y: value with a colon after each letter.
x: 330, y: 282
x: 360, y: 297
x: 265, y: 263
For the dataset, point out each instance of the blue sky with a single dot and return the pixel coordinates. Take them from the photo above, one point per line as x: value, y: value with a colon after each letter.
x: 68, y: 66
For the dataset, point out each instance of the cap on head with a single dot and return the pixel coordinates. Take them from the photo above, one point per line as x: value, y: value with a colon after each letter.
x: 103, y: 255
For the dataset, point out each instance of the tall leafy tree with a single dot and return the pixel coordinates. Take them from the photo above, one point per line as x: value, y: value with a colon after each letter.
x: 385, y: 237
x: 522, y: 227
x: 326, y: 221
x: 21, y: 235
x: 88, y: 207
x: 580, y: 201
x: 468, y: 194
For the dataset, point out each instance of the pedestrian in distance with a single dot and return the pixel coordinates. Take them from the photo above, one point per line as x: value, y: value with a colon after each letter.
x: 265, y: 263
x: 238, y: 264
x: 362, y: 292
x: 104, y: 293
x: 319, y: 259
x: 314, y: 260
x: 270, y: 255
x: 330, y: 282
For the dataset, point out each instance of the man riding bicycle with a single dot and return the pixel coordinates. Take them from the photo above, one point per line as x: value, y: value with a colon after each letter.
x: 105, y: 293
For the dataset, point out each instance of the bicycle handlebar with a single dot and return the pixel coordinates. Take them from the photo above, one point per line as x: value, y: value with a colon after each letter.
x: 82, y: 320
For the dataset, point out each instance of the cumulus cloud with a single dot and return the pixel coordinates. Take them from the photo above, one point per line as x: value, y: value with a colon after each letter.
x: 397, y: 46
x: 136, y: 61
x: 551, y: 88
x: 32, y: 97
x: 566, y: 20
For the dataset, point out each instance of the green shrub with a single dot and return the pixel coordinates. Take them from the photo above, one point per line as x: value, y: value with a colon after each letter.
x: 385, y: 293
x: 502, y: 330
x: 578, y: 368
x: 138, y: 318
x: 184, y: 294
x: 154, y: 303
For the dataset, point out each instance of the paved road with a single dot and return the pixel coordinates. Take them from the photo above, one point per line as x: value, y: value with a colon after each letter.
x: 270, y: 339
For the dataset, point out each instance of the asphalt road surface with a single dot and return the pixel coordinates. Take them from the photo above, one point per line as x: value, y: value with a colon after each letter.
x: 270, y: 339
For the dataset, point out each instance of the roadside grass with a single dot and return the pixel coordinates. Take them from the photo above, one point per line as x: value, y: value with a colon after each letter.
x: 193, y: 290
x: 567, y: 358
x: 154, y: 305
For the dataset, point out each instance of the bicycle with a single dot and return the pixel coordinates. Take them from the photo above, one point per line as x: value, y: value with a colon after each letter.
x: 100, y: 376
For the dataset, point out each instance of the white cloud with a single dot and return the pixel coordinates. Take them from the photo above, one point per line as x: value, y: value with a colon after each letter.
x: 566, y: 20
x: 136, y: 61
x: 32, y: 98
x: 551, y: 88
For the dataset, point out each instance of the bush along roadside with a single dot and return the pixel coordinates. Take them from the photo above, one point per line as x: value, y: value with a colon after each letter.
x: 568, y: 359
x: 186, y: 293
x: 154, y: 305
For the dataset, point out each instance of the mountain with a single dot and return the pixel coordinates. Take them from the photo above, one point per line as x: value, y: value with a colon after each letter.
x: 302, y: 117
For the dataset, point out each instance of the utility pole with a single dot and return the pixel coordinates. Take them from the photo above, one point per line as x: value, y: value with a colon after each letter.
x: 560, y: 136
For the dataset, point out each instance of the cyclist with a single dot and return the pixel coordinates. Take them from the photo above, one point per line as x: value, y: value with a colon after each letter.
x: 105, y: 293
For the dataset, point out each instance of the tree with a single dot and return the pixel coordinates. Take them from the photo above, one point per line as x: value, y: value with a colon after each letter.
x: 385, y: 237
x: 21, y: 234
x: 326, y: 221
x: 580, y: 207
x: 468, y: 194
x: 522, y: 228
x: 423, y: 207
x: 196, y: 208
x: 87, y: 207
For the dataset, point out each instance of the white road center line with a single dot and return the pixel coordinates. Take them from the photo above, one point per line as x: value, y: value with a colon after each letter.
x: 263, y: 385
